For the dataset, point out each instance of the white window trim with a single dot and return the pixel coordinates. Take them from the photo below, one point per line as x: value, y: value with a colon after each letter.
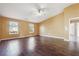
x: 18, y: 28
x: 33, y: 30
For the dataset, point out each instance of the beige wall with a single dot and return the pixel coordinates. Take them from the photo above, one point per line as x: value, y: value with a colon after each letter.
x: 54, y: 26
x: 59, y: 24
x: 70, y: 12
x: 0, y: 28
x: 23, y: 28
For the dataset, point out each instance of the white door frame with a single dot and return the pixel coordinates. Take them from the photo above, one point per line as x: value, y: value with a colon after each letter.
x: 73, y: 19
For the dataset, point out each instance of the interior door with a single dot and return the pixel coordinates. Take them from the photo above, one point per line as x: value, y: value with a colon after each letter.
x: 78, y: 31
x: 74, y: 31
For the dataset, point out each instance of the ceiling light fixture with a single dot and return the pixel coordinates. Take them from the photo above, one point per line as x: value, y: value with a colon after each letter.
x: 40, y: 10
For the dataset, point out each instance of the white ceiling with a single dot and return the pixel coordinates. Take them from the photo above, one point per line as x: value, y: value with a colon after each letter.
x: 29, y: 11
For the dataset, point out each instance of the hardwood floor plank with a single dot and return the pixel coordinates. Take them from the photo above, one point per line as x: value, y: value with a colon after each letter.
x: 38, y: 46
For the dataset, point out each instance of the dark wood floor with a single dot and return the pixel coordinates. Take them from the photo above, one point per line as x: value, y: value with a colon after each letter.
x: 38, y: 46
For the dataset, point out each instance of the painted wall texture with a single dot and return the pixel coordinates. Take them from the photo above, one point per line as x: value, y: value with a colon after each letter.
x: 23, y: 28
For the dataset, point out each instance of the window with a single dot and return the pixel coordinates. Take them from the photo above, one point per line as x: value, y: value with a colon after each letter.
x: 13, y: 27
x: 42, y: 29
x: 31, y: 28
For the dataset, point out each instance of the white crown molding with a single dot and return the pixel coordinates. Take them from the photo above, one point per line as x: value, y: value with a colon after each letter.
x: 27, y: 12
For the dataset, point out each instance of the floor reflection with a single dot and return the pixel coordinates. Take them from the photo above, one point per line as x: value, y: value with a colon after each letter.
x: 13, y: 48
x: 31, y: 44
x: 74, y: 46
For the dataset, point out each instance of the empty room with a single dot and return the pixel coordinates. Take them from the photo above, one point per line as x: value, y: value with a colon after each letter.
x: 39, y: 29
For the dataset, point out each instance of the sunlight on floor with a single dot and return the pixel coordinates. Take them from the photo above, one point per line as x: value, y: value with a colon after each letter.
x: 31, y: 43
x: 13, y: 47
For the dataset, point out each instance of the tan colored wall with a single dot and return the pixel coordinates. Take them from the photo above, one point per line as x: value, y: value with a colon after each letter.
x: 54, y: 26
x: 0, y: 28
x: 23, y: 28
x: 70, y: 12
x: 59, y: 25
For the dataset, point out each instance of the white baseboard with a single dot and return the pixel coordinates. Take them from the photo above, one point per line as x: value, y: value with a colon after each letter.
x: 52, y: 36
x: 15, y: 37
x: 66, y: 40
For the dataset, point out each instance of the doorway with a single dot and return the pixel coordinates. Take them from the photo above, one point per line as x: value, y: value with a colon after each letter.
x: 74, y: 30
